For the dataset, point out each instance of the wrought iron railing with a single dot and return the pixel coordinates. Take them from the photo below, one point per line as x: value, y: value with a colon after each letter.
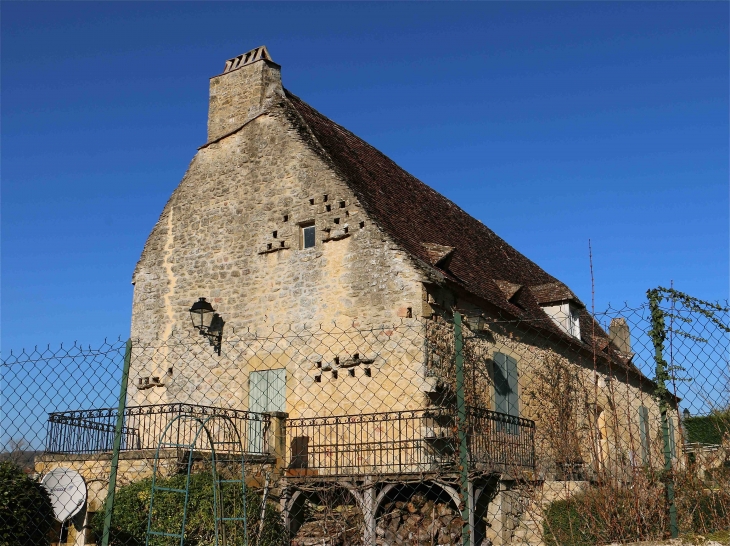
x: 402, y: 442
x: 92, y: 431
x: 498, y: 441
x: 407, y: 442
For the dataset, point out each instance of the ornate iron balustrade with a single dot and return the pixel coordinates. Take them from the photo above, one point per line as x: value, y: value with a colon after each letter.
x: 92, y: 431
x: 408, y: 442
x: 498, y: 441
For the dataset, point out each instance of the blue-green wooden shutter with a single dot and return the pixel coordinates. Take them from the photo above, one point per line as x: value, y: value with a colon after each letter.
x: 672, y: 445
x: 266, y: 392
x: 505, y: 385
x: 644, y: 433
x: 257, y: 394
x: 277, y: 390
x: 505, y: 389
x: 257, y: 391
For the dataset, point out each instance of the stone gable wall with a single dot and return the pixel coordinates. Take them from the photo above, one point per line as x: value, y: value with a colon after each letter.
x: 231, y: 233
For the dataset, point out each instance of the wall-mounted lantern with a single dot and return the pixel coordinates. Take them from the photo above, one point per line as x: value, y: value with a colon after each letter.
x: 208, y: 323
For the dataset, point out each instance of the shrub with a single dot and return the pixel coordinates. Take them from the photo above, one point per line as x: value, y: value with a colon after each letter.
x: 618, y: 513
x: 608, y: 513
x: 131, y: 509
x: 26, y: 515
x: 566, y: 525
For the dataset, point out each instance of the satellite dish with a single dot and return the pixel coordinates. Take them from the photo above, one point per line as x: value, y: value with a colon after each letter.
x: 67, y: 490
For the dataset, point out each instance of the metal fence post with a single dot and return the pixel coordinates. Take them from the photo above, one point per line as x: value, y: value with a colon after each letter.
x: 461, y: 427
x: 117, y: 445
x: 658, y: 334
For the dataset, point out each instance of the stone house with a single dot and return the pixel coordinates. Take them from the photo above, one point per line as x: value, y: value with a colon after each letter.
x: 285, y: 220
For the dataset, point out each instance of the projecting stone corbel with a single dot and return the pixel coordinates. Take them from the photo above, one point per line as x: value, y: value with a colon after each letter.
x: 336, y: 234
x: 148, y: 383
x: 356, y: 361
x: 274, y: 247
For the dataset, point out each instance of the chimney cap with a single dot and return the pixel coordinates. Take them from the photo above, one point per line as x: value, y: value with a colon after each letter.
x: 257, y: 54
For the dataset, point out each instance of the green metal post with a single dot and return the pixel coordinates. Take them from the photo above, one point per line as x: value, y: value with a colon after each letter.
x: 658, y: 334
x: 117, y: 445
x: 461, y: 427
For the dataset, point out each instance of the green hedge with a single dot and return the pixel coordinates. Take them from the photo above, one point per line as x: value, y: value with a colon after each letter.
x: 131, y: 508
x: 708, y: 429
x: 26, y: 515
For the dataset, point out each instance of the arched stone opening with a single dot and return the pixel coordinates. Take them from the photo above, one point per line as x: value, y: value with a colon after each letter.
x: 431, y: 490
x: 329, y: 511
x: 418, y: 513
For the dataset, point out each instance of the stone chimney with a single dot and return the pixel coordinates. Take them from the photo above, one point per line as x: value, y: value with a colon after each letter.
x: 242, y: 91
x: 618, y: 333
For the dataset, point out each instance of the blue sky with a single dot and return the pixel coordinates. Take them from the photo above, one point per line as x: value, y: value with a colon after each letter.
x: 551, y: 122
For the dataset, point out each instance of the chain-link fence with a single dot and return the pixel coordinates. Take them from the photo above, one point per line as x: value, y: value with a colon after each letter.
x: 458, y: 428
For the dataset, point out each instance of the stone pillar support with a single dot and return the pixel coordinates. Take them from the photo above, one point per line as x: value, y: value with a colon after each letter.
x: 276, y: 439
x: 369, y: 508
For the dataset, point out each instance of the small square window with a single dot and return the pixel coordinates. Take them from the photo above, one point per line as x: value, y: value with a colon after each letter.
x: 342, y: 204
x: 286, y: 217
x: 306, y: 235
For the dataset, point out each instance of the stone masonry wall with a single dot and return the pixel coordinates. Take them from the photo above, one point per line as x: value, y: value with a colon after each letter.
x: 231, y: 233
x: 605, y: 412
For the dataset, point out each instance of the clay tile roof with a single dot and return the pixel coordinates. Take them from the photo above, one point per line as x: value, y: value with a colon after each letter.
x: 554, y: 292
x: 509, y: 289
x: 438, y: 254
x: 437, y: 232
x: 412, y: 213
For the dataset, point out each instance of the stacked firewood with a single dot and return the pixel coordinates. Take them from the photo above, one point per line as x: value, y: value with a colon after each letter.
x: 325, y: 526
x: 419, y: 522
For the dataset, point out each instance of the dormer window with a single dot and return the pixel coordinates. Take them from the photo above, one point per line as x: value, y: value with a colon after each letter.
x: 566, y: 315
x: 573, y: 321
